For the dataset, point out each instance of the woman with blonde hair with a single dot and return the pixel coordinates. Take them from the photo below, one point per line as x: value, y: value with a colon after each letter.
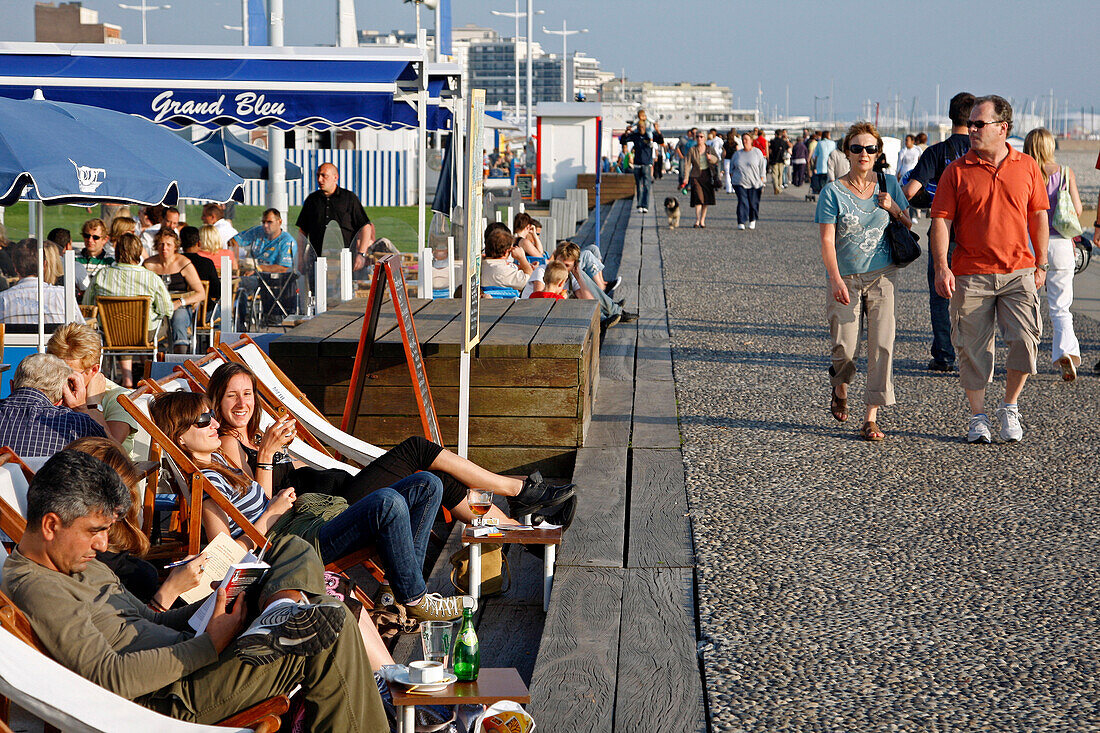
x: 852, y: 213
x: 210, y: 246
x: 182, y: 281
x: 1065, y: 349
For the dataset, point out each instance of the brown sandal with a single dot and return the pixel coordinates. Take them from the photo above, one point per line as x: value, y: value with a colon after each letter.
x: 838, y: 406
x: 871, y: 431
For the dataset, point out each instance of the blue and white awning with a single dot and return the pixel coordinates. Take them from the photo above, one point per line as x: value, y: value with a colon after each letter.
x: 215, y: 86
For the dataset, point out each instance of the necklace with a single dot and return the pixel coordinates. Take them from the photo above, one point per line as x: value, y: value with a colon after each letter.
x: 858, y: 189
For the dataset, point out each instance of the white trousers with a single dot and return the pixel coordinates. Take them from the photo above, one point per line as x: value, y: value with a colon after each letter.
x: 1060, y: 298
x: 726, y: 169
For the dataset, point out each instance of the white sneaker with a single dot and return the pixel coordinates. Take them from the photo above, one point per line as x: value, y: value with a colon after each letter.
x: 740, y: 226
x: 1009, y: 418
x: 752, y: 225
x: 287, y: 627
x: 645, y: 210
x: 979, y: 429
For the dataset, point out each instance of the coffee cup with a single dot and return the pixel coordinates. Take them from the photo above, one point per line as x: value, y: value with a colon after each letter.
x: 422, y: 673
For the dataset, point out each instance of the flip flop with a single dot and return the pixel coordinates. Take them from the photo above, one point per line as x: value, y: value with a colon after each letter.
x: 871, y: 431
x: 838, y: 406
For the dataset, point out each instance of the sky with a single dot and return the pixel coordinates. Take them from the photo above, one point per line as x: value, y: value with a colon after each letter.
x: 850, y: 50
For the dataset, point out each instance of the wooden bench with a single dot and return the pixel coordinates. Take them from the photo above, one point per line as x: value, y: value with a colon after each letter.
x: 533, y: 376
x: 613, y: 186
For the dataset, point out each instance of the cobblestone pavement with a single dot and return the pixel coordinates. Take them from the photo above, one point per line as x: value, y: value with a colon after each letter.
x: 915, y: 584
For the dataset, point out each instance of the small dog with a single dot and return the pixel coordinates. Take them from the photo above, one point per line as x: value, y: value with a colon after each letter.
x: 672, y: 208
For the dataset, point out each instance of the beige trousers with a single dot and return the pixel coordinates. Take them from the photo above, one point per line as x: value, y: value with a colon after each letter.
x: 874, y: 292
x: 777, y: 176
x: 981, y: 302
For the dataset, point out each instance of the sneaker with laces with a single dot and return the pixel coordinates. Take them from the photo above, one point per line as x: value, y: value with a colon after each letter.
x: 1009, y: 418
x: 434, y: 607
x: 288, y: 627
x: 979, y: 429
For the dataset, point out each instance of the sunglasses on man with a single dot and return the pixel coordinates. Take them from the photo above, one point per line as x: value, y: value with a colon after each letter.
x: 979, y: 124
x: 857, y: 149
x: 93, y: 237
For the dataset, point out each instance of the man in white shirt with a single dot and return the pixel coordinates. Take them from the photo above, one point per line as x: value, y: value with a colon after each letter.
x: 214, y: 215
x: 19, y: 303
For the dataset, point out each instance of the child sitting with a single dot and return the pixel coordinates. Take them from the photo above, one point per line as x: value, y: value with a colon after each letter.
x: 553, y: 281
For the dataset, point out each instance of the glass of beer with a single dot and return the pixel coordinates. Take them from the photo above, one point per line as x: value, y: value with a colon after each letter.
x: 480, y: 501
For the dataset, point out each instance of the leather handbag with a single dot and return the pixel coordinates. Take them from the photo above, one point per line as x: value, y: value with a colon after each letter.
x: 496, y: 578
x: 903, y: 243
x: 1065, y: 220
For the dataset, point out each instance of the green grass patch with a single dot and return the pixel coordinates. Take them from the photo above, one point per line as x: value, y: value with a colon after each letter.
x: 397, y: 223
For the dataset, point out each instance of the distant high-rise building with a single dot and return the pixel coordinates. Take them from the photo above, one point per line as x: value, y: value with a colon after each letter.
x: 72, y: 23
x: 680, y: 106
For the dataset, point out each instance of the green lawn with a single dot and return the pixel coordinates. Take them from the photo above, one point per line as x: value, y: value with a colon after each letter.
x: 397, y: 223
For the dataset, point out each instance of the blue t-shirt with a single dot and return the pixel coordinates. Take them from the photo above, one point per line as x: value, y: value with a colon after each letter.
x: 282, y: 250
x: 821, y: 155
x: 861, y: 244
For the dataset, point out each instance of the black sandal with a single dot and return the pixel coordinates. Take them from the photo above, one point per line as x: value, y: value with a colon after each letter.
x: 838, y: 406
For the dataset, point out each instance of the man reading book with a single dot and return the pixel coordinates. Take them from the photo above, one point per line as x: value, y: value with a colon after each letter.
x: 88, y: 622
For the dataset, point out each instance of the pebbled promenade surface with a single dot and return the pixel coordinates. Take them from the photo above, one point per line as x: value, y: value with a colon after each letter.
x: 918, y: 584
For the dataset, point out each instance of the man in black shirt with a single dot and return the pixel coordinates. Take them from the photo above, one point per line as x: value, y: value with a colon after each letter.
x: 777, y: 155
x: 332, y: 203
x: 643, y: 138
x: 933, y: 161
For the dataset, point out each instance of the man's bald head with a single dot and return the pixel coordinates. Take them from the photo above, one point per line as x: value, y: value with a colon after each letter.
x: 327, y: 176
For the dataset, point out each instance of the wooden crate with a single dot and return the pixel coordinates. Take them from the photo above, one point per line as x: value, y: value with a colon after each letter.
x: 533, y: 376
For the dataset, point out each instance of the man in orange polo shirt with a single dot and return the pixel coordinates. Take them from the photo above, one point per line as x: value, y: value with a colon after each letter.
x: 995, y: 197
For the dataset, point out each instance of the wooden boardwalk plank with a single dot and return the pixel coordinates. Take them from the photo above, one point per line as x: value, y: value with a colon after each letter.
x: 659, y: 678
x: 659, y: 534
x: 573, y: 686
x: 448, y: 340
x: 617, y: 353
x: 655, y: 420
x: 430, y: 319
x: 512, y: 334
x: 612, y: 415
x: 597, y: 536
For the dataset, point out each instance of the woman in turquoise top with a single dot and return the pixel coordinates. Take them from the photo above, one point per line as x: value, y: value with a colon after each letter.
x: 852, y: 214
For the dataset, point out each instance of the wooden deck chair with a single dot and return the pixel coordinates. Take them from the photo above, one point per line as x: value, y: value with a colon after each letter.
x: 66, y: 701
x: 15, y: 479
x: 124, y: 323
x: 193, y: 486
x: 277, y: 389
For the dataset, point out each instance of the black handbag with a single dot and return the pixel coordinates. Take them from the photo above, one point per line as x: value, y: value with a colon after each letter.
x: 903, y: 243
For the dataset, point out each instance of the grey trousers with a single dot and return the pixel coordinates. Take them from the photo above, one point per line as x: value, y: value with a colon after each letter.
x: 876, y: 290
x: 338, y: 683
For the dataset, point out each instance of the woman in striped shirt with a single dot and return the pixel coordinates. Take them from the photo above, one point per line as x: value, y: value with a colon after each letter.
x: 396, y: 521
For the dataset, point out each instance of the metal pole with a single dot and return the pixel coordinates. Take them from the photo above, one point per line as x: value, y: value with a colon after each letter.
x: 70, y: 286
x: 530, y: 32
x: 564, y: 56
x: 229, y: 315
x: 244, y: 21
x: 421, y: 141
x: 144, y: 13
x: 515, y: 54
x: 40, y: 230
x: 276, y: 143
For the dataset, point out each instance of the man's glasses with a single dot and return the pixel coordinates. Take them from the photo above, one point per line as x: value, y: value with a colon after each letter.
x: 204, y: 419
x: 857, y: 149
x: 979, y: 124
x: 93, y: 237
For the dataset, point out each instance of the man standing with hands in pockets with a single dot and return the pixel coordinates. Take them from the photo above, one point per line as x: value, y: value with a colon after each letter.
x: 995, y: 197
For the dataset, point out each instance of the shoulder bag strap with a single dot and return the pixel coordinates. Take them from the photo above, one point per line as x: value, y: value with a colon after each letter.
x: 1064, y: 185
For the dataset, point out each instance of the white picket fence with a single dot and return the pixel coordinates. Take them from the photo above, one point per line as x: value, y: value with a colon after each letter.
x: 377, y: 177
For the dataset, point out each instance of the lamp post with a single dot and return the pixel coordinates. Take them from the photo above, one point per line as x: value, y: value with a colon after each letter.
x: 144, y: 10
x: 564, y: 33
x: 515, y: 53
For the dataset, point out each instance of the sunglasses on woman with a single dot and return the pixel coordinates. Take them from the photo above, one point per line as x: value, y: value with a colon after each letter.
x: 204, y: 419
x: 857, y: 149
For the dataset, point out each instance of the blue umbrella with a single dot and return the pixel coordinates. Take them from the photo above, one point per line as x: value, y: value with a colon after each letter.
x: 75, y: 154
x: 247, y: 161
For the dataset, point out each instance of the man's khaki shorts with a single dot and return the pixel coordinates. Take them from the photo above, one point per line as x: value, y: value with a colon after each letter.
x: 981, y: 302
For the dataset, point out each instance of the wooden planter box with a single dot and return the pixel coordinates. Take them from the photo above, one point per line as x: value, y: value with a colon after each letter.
x: 533, y: 377
x: 613, y: 186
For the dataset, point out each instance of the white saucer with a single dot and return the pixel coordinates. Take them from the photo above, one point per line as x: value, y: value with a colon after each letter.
x: 402, y: 677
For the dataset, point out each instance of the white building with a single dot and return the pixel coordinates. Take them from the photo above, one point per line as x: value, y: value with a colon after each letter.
x: 679, y: 106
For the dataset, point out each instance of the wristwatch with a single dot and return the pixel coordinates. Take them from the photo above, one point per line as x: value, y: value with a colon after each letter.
x: 1044, y: 267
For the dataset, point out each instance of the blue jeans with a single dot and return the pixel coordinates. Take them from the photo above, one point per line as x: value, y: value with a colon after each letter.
x: 608, y: 307
x: 748, y: 204
x: 942, y: 350
x: 590, y: 261
x: 397, y: 521
x: 182, y: 318
x: 643, y: 181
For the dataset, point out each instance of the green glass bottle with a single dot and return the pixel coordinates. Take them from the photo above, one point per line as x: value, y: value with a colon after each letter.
x: 467, y: 655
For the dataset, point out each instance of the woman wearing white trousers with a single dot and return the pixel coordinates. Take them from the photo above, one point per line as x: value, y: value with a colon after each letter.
x: 1065, y: 351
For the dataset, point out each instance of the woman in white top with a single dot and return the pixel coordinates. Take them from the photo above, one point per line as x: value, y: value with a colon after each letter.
x: 748, y: 170
x: 1066, y: 351
x: 907, y: 161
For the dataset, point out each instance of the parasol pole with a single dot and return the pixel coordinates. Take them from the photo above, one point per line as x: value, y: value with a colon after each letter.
x: 40, y: 229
